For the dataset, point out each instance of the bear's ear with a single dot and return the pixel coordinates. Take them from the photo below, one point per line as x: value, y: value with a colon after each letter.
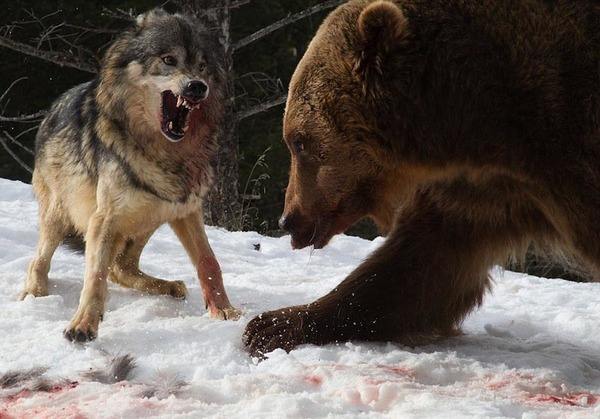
x: 150, y: 17
x: 381, y: 28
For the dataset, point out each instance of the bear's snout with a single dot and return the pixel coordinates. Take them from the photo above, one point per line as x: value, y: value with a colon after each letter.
x: 302, y: 230
x: 284, y: 223
x: 292, y: 222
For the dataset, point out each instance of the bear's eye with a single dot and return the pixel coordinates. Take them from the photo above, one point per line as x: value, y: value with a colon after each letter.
x: 298, y: 146
x: 169, y: 60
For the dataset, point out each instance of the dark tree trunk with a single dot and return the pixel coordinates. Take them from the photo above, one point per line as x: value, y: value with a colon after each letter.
x: 222, y: 208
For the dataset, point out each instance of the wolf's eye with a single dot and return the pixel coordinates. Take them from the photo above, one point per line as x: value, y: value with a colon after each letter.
x: 201, y: 67
x: 169, y: 60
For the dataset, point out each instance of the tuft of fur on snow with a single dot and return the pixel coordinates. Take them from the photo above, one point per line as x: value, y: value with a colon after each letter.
x: 11, y: 379
x: 44, y: 385
x: 47, y: 386
x: 118, y: 369
x: 164, y: 384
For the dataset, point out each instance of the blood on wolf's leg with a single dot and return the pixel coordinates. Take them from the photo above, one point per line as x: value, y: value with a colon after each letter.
x: 211, y: 281
x: 191, y: 233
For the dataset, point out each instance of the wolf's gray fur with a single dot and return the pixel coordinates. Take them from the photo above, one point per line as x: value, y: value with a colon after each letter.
x: 120, y: 155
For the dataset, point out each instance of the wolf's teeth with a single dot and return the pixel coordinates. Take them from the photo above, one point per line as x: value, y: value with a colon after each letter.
x: 180, y: 100
x: 171, y: 125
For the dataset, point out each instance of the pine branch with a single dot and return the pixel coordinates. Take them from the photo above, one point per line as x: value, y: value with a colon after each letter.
x: 284, y: 22
x: 261, y: 107
x: 61, y: 59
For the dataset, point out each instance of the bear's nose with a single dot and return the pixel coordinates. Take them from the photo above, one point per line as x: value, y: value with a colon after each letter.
x: 284, y: 222
x: 195, y: 91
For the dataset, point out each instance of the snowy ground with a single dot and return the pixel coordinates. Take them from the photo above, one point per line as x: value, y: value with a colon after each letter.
x: 532, y: 351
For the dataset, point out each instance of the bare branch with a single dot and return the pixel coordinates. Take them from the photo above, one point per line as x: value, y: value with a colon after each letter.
x: 284, y: 22
x: 38, y: 20
x: 14, y: 156
x: 47, y: 33
x: 251, y: 197
x: 25, y: 131
x: 246, y: 113
x: 94, y: 29
x: 20, y: 79
x: 260, y: 84
x: 24, y: 118
x: 120, y: 14
x: 238, y: 3
x: 18, y: 143
x: 61, y: 59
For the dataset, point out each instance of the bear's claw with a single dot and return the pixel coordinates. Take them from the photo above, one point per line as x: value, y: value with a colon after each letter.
x: 283, y: 328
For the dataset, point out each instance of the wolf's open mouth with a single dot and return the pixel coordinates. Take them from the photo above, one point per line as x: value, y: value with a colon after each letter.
x: 175, y: 115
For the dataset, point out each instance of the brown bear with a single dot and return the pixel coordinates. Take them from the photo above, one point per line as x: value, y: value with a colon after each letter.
x: 466, y: 130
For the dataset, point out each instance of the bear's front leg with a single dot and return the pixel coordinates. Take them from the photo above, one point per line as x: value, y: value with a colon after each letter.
x: 430, y: 272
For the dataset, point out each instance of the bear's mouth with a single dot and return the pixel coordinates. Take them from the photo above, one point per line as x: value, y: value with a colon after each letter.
x: 175, y: 115
x: 319, y: 234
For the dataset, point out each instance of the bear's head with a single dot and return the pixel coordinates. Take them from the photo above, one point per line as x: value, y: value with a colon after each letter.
x: 340, y: 164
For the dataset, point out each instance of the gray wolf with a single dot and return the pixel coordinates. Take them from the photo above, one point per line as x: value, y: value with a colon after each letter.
x: 121, y: 155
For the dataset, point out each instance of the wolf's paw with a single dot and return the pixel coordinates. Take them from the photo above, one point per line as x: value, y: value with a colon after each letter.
x: 228, y: 313
x: 178, y: 290
x: 283, y: 328
x: 84, y: 326
x: 36, y: 292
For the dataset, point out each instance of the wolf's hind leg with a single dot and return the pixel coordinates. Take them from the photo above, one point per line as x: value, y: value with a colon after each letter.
x: 126, y: 272
x: 52, y: 232
x: 36, y: 283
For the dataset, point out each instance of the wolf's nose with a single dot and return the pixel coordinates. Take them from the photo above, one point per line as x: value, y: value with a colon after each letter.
x: 195, y: 91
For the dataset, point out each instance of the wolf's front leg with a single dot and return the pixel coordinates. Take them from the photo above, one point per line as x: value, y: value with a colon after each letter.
x: 192, y: 235
x: 102, y: 244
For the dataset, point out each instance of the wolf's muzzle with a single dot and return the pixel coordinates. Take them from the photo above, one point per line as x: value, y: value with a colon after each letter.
x: 195, y: 91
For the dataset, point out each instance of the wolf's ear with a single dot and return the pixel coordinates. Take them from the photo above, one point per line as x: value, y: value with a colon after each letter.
x: 381, y: 28
x: 150, y: 17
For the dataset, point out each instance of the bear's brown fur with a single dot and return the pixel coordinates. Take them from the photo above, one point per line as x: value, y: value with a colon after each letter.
x: 467, y: 130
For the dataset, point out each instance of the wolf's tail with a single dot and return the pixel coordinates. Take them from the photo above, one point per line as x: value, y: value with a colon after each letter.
x: 75, y: 242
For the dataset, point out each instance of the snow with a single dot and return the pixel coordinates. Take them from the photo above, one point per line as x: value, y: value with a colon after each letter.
x: 531, y: 351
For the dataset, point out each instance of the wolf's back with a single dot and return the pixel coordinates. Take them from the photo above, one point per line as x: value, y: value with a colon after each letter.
x: 69, y: 116
x: 67, y: 138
